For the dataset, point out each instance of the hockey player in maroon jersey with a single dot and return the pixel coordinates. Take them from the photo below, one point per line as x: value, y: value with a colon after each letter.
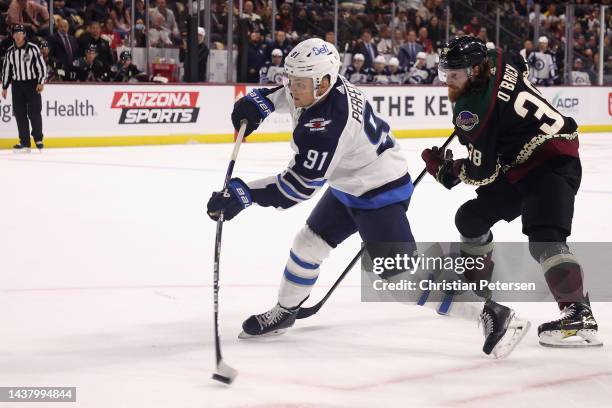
x: 523, y: 157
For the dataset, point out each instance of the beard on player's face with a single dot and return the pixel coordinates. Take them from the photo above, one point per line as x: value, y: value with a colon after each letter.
x: 456, y: 91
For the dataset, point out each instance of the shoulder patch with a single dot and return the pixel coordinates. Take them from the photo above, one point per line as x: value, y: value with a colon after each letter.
x: 466, y: 120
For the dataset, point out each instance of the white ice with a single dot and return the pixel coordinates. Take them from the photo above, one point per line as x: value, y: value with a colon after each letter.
x: 106, y: 275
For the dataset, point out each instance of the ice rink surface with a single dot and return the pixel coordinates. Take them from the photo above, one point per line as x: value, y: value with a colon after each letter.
x: 106, y: 285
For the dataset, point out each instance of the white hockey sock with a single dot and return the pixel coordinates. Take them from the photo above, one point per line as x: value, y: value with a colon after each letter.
x: 302, y: 269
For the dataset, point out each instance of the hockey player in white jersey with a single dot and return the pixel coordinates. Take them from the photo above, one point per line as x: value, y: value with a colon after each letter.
x: 338, y: 140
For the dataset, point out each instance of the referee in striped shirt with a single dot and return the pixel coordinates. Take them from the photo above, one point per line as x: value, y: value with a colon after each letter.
x: 25, y: 68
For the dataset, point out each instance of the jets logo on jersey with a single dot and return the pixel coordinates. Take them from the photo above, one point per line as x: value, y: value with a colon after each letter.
x: 317, y: 124
x: 466, y: 120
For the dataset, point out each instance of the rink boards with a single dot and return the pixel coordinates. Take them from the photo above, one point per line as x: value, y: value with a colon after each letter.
x: 134, y: 114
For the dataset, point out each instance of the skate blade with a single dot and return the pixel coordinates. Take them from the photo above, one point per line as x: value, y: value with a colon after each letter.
x: 25, y: 150
x: 582, y: 339
x: 244, y: 335
x: 517, y: 329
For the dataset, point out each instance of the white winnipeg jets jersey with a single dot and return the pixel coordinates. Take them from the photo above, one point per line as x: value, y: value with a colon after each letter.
x: 340, y: 141
x: 271, y: 74
x: 542, y: 66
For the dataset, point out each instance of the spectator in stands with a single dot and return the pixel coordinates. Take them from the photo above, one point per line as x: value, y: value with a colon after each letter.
x: 256, y: 57
x: 473, y: 28
x: 168, y: 22
x: 272, y: 71
x: 93, y: 36
x: 330, y: 37
x: 424, y: 40
x: 284, y: 20
x: 401, y: 21
x: 395, y: 73
x: 482, y: 34
x: 126, y: 71
x: 521, y: 7
x: 97, y: 11
x: 527, y: 49
x: 355, y: 24
x: 542, y: 64
x: 399, y: 41
x: 159, y: 34
x: 139, y: 13
x: 60, y: 9
x: 79, y: 5
x: 203, y: 53
x: 357, y: 73
x: 408, y: 52
x: 120, y: 15
x: 592, y: 44
x: 254, y: 20
x: 33, y: 16
x: 111, y: 36
x: 379, y: 74
x: 367, y: 48
x: 419, y: 74
x: 385, y: 44
x: 280, y: 42
x: 435, y: 31
x: 64, y: 47
x: 90, y: 68
x: 579, y: 76
x: 140, y: 36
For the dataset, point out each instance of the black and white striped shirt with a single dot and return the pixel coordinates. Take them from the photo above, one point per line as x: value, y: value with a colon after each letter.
x: 23, y: 64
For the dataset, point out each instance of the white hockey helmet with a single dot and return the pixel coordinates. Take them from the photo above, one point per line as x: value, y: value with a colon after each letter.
x: 394, y: 62
x: 313, y: 58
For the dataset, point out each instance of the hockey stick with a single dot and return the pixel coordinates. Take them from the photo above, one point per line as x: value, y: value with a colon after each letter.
x: 224, y: 373
x: 305, y: 312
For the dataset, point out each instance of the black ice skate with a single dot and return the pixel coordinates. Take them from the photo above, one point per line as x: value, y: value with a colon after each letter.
x: 271, y: 323
x: 577, y: 328
x: 40, y: 145
x: 502, y: 329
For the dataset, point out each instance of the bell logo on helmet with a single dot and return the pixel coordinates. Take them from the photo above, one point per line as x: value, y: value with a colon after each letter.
x: 320, y: 50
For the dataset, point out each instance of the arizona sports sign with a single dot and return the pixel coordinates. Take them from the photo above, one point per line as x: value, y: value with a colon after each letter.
x: 156, y: 107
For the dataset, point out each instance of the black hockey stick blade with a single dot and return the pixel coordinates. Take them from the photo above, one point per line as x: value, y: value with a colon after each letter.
x: 225, y: 373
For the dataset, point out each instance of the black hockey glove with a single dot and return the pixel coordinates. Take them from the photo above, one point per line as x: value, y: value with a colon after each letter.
x: 230, y: 202
x: 254, y: 107
x: 441, y: 166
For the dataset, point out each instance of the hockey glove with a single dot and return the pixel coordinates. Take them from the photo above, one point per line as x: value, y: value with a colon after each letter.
x: 441, y: 166
x: 254, y: 107
x: 230, y: 202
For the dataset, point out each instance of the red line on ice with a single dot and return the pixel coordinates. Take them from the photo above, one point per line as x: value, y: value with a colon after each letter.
x: 528, y: 387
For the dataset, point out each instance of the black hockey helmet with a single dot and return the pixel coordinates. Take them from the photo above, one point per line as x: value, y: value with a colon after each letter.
x: 462, y: 52
x: 125, y: 55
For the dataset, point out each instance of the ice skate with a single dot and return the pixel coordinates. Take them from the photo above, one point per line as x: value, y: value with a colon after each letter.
x: 271, y: 323
x: 502, y: 329
x: 577, y: 328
